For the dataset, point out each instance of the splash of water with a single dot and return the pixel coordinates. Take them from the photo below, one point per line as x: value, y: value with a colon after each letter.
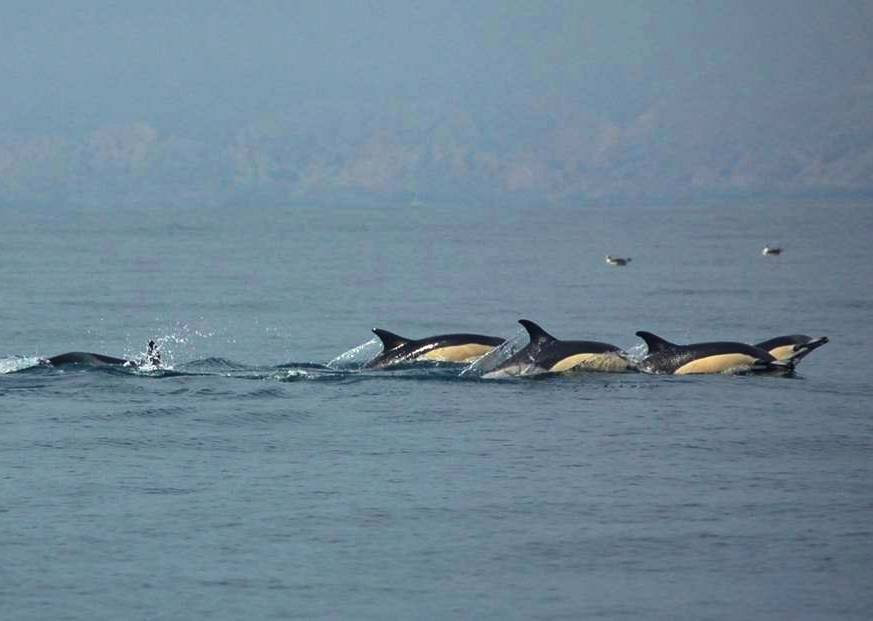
x: 179, y: 339
x: 357, y: 356
x: 17, y: 363
x: 496, y: 356
x: 636, y: 353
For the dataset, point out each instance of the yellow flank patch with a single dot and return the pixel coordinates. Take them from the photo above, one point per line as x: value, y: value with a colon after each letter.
x: 457, y: 353
x: 716, y: 364
x: 608, y: 362
x: 782, y: 353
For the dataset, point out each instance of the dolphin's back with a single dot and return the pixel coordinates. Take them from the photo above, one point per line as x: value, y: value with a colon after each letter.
x: 86, y: 359
x: 721, y: 347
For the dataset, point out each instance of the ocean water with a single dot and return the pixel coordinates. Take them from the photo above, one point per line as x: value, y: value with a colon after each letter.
x: 249, y: 481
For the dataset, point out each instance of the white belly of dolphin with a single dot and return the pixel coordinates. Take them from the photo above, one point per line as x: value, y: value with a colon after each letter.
x: 720, y: 363
x: 457, y: 353
x: 608, y: 362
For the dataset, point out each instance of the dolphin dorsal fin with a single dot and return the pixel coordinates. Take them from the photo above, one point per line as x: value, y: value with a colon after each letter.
x: 655, y: 342
x: 389, y: 339
x: 537, y: 334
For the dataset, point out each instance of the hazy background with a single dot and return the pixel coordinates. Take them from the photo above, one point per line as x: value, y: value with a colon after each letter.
x: 213, y: 102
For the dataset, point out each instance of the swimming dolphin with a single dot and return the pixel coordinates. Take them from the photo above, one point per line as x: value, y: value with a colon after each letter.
x: 793, y: 347
x: 546, y: 354
x: 441, y: 348
x: 153, y: 358
x: 85, y: 358
x: 715, y: 357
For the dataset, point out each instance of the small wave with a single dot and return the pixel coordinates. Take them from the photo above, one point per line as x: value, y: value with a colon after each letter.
x: 246, y: 417
x: 418, y: 371
x: 700, y: 291
x: 304, y: 374
x: 303, y: 365
x: 261, y: 393
x: 146, y: 371
x: 440, y: 371
x: 78, y: 369
x: 168, y: 491
x: 140, y: 412
x: 214, y: 364
x: 294, y: 375
x: 858, y: 304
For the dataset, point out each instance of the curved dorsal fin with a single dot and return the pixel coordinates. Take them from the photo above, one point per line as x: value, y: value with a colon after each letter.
x: 655, y: 342
x: 536, y: 333
x: 389, y: 339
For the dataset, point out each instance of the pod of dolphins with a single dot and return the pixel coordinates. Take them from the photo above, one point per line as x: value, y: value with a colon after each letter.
x: 547, y: 354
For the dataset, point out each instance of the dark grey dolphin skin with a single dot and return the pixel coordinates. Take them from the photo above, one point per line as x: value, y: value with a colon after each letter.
x: 153, y: 358
x: 86, y: 359
x: 546, y: 354
x: 793, y: 347
x: 441, y: 348
x: 714, y: 357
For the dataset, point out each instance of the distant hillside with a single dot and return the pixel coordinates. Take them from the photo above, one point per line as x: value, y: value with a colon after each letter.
x: 545, y: 149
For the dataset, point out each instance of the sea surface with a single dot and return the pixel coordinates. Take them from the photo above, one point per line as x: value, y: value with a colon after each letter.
x: 265, y: 475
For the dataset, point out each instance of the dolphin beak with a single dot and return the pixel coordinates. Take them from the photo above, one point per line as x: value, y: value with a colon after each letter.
x: 811, y: 344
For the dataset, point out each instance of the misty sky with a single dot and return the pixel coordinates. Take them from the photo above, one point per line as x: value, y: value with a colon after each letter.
x: 201, y: 65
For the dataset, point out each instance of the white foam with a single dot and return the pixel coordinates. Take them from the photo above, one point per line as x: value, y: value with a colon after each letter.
x: 636, y: 353
x: 17, y: 363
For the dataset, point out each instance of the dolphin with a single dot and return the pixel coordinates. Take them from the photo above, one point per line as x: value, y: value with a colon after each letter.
x: 546, y: 354
x: 715, y: 357
x: 793, y: 347
x: 153, y: 358
x: 465, y: 348
x: 86, y: 359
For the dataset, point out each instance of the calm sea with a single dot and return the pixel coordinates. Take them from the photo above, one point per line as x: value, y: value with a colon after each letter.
x: 248, y: 482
